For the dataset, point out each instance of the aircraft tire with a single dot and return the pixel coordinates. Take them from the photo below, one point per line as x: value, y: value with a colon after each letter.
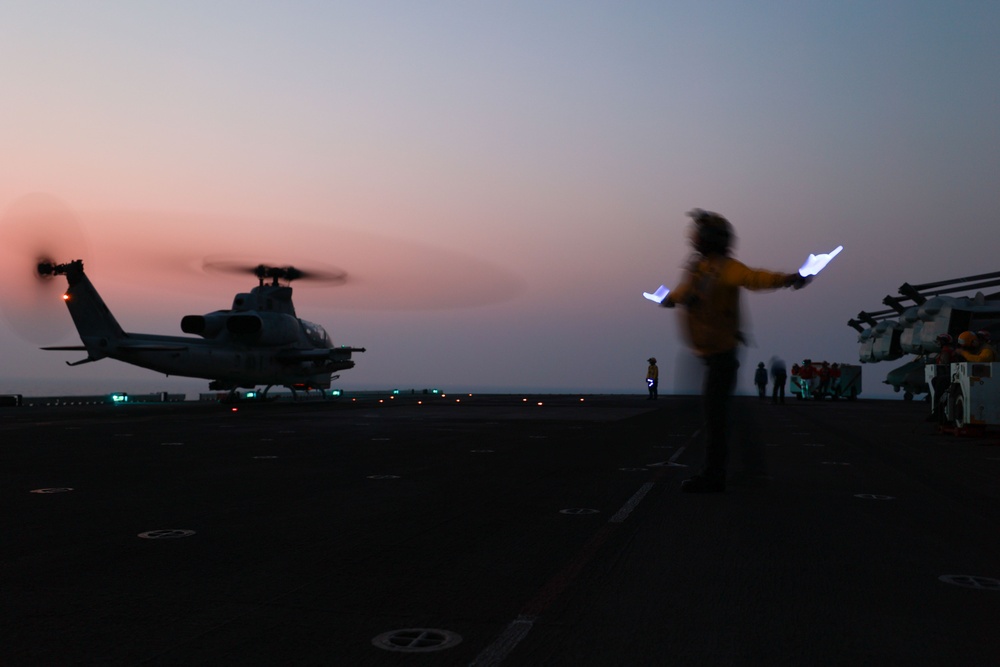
x: 954, y: 405
x: 960, y: 411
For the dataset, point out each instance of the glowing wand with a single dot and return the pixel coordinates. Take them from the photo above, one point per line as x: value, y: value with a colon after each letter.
x: 658, y: 296
x: 815, y: 263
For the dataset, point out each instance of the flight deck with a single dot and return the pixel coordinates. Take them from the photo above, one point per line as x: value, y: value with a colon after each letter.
x: 492, y: 530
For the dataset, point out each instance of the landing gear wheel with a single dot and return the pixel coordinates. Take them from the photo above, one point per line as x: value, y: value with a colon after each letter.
x: 954, y: 406
x: 960, y: 412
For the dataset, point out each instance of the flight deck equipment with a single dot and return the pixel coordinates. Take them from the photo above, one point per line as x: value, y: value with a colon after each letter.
x: 915, y: 319
x: 972, y: 400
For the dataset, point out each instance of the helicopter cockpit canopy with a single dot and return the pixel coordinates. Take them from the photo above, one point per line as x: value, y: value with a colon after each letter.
x: 316, y: 334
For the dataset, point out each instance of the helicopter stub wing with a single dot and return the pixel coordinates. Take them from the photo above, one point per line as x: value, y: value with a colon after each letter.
x: 152, y: 347
x: 134, y: 347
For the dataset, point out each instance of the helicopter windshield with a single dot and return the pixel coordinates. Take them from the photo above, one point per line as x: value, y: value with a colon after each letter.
x: 316, y: 334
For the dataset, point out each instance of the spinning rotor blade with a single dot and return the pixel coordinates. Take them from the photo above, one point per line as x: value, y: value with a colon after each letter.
x: 138, y: 250
x: 327, y: 276
x: 36, y: 229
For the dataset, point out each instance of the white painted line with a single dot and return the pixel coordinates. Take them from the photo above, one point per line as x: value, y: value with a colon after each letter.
x: 627, y: 508
x: 495, y: 653
x: 671, y: 462
x: 971, y: 581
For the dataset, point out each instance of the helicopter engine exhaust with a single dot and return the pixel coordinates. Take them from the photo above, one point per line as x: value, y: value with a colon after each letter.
x: 254, y: 328
x: 207, y: 326
x: 264, y: 329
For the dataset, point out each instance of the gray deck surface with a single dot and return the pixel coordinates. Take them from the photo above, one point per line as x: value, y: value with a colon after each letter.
x: 503, y: 531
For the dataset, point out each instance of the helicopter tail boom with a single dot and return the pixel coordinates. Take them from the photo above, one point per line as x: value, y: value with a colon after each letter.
x: 99, y: 330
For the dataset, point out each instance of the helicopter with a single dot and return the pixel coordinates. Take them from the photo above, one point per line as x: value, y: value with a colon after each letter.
x: 914, y: 319
x: 259, y: 341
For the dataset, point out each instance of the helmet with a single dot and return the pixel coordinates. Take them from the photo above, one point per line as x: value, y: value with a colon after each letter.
x: 651, y: 360
x: 713, y: 233
x: 944, y: 339
x: 966, y: 339
x: 984, y: 335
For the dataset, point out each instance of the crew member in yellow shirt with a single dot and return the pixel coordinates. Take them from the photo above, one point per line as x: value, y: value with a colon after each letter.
x: 709, y: 294
x: 971, y: 348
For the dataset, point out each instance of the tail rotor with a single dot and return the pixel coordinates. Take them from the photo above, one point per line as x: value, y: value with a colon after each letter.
x: 36, y: 232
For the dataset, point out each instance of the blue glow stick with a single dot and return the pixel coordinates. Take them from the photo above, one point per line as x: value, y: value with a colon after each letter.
x: 658, y: 296
x: 815, y: 263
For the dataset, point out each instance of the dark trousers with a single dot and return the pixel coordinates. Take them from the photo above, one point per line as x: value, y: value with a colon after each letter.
x: 779, y: 388
x: 720, y: 381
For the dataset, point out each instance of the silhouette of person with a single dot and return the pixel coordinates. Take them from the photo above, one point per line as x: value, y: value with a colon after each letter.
x: 760, y: 379
x: 835, y: 375
x: 778, y: 377
x: 709, y: 296
x: 807, y: 375
x: 824, y: 379
x: 652, y: 378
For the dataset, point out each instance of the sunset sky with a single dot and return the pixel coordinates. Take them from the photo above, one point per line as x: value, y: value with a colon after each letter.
x: 500, y: 181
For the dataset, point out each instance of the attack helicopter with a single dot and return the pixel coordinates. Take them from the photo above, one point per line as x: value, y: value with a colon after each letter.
x: 259, y: 341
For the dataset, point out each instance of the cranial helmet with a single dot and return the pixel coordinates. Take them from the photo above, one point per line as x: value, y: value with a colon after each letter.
x: 714, y: 234
x: 966, y: 339
x: 944, y: 339
x: 983, y: 335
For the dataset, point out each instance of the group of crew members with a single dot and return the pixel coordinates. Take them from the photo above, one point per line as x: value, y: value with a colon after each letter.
x: 814, y: 380
x: 818, y: 380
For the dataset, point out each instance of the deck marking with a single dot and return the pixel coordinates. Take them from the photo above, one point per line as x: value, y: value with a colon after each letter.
x: 417, y: 640
x: 495, y: 653
x: 671, y: 462
x: 971, y: 581
x: 627, y: 508
x: 518, y: 629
